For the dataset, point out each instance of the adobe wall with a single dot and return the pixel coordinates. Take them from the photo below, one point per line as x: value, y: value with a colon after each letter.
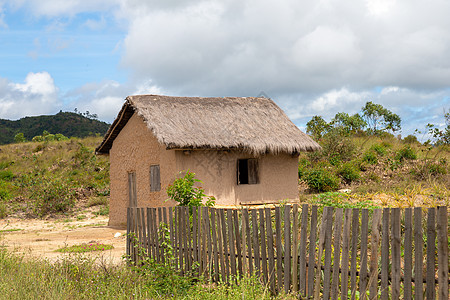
x: 134, y: 150
x: 278, y: 175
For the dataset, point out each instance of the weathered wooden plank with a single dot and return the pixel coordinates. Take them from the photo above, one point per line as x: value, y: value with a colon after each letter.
x: 255, y: 244
x: 279, y: 248
x: 244, y: 243
x: 199, y: 241
x: 238, y: 241
x: 186, y: 231
x: 205, y: 265
x: 225, y: 244
x: 395, y: 253
x: 194, y: 236
x: 245, y: 220
x: 312, y: 251
x: 363, y: 280
x: 287, y: 248
x: 127, y: 249
x: 431, y: 256
x: 407, y: 270
x: 144, y: 232
x: 385, y: 255
x: 442, y: 235
x: 270, y: 248
x: 180, y: 240
x: 189, y: 237
x: 337, y: 253
x: 139, y: 234
x: 263, y: 246
x: 375, y: 242
x: 172, y: 236
x: 151, y: 246
x: 345, y: 253
x: 155, y: 235
x: 209, y: 241
x: 231, y: 244
x: 355, y: 233
x: 418, y: 254
x: 321, y: 246
x: 302, y: 250
x: 327, y: 250
x: 161, y: 249
x: 295, y: 230
x: 221, y: 246
x: 215, y: 250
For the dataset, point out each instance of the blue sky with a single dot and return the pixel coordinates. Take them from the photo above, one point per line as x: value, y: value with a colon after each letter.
x: 312, y: 58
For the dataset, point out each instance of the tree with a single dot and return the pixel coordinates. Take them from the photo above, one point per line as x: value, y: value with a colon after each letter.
x: 20, y: 138
x: 347, y: 124
x: 317, y: 127
x: 380, y: 119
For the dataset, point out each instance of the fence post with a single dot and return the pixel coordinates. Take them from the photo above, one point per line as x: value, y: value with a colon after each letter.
x: 442, y: 232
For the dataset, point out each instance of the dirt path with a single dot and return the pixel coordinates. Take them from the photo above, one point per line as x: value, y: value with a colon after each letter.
x: 40, y: 238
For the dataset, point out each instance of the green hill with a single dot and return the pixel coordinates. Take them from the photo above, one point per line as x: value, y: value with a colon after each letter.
x: 67, y: 123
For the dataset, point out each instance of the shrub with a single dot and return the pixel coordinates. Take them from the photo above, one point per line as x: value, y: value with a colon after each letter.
x: 370, y: 157
x: 183, y: 191
x: 53, y: 196
x: 321, y: 180
x: 6, y: 175
x: 19, y: 138
x: 378, y: 149
x: 349, y: 172
x: 410, y: 139
x: 303, y: 166
x: 405, y: 153
x: 337, y: 148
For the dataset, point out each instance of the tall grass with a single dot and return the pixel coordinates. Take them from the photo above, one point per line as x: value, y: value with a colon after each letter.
x: 80, y: 277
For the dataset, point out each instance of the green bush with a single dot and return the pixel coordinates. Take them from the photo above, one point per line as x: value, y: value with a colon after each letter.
x: 337, y: 148
x: 321, y: 180
x: 405, y: 153
x: 6, y: 175
x: 53, y: 196
x: 183, y: 191
x: 303, y: 166
x: 348, y: 172
x: 410, y: 139
x: 370, y: 157
x: 378, y: 149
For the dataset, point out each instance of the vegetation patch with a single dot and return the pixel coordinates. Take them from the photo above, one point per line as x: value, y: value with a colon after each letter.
x: 91, y: 247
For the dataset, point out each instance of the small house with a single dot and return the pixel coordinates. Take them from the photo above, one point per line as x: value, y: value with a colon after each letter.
x: 244, y: 150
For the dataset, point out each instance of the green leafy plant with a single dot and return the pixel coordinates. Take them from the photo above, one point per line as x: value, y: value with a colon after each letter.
x: 52, y: 196
x: 82, y: 248
x: 348, y: 172
x: 184, y: 191
x: 405, y: 153
x: 370, y: 157
x: 321, y: 180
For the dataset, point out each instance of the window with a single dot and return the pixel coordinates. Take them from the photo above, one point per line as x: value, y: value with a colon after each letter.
x: 155, y: 178
x: 247, y: 171
x: 132, y: 189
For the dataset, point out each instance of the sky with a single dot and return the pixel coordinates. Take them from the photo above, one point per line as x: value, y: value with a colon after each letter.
x: 310, y: 57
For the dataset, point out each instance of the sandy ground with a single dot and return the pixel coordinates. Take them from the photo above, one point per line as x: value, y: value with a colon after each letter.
x: 40, y: 238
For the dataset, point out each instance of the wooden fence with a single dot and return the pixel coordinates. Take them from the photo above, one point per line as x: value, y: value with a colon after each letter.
x: 321, y: 253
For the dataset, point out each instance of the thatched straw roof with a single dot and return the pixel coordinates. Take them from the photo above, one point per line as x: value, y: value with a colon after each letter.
x: 256, y: 125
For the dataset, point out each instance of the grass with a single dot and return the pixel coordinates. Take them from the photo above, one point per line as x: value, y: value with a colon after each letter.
x: 77, y: 276
x: 406, y: 174
x: 10, y: 230
x: 52, y: 177
x: 82, y: 248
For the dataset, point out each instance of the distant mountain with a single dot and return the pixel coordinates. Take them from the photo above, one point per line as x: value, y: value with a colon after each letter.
x: 67, y: 123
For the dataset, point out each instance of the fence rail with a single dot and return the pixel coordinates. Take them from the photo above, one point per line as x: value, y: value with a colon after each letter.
x: 321, y: 253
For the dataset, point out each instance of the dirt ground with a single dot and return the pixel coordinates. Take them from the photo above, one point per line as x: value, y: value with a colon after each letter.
x: 40, y: 238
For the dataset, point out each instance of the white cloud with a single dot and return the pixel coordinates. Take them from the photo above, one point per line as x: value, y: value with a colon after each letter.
x: 51, y: 8
x: 2, y: 17
x: 37, y: 95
